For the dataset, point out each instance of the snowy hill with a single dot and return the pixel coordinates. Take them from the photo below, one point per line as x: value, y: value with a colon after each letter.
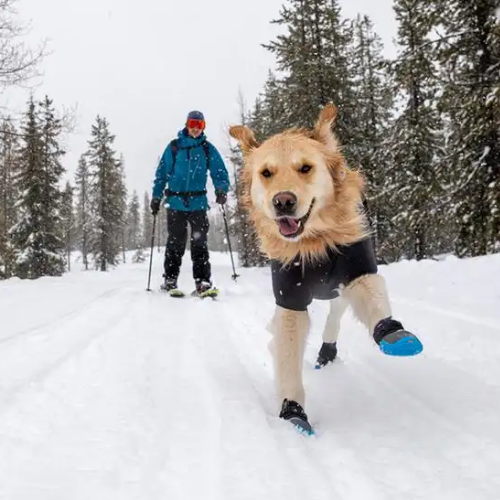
x: 110, y: 392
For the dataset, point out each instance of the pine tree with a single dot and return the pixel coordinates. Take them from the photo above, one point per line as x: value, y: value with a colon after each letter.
x: 161, y: 229
x: 68, y: 221
x: 372, y: 120
x: 216, y: 238
x: 83, y: 206
x: 313, y: 55
x: 121, y: 194
x: 134, y: 229
x: 107, y: 196
x: 9, y: 146
x: 147, y: 221
x: 417, y: 134
x: 37, y: 235
x: 248, y: 247
x: 269, y: 115
x: 469, y: 52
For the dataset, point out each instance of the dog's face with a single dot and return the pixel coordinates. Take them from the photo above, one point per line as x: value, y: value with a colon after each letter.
x: 300, y: 194
x: 291, y: 183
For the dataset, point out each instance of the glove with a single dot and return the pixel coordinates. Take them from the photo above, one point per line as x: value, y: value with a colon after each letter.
x: 155, y: 205
x: 221, y: 197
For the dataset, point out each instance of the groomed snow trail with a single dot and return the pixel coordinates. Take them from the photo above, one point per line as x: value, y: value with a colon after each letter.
x: 110, y: 392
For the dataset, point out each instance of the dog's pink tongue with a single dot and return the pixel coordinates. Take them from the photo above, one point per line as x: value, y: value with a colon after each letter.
x: 288, y: 225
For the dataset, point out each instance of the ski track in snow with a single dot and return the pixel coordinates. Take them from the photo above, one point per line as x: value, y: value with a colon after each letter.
x: 125, y: 394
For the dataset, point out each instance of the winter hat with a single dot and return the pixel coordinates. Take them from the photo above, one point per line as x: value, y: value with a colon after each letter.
x: 195, y: 115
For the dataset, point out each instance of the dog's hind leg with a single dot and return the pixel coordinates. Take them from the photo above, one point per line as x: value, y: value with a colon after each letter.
x: 369, y: 300
x: 290, y: 329
x: 328, y: 351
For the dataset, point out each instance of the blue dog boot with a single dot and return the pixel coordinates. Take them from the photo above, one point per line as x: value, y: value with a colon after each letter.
x: 394, y: 340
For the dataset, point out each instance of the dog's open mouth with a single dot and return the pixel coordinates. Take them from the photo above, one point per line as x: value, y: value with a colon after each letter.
x: 291, y: 227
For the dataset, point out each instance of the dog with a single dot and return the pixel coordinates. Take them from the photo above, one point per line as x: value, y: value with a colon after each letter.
x: 305, y: 203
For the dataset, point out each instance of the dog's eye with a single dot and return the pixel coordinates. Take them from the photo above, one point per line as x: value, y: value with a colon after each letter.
x: 266, y: 173
x: 304, y: 169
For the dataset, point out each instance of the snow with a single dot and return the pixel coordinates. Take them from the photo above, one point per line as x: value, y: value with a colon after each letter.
x: 111, y: 392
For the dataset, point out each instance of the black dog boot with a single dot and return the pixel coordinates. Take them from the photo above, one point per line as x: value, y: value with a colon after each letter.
x: 327, y: 354
x: 295, y: 414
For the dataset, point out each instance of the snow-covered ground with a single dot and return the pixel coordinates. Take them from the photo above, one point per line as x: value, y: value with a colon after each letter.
x: 110, y: 392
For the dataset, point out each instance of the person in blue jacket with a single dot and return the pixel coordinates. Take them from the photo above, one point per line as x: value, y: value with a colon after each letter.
x: 184, y: 168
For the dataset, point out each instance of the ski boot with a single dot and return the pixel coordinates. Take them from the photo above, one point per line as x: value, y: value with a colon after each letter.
x: 205, y: 289
x: 170, y: 286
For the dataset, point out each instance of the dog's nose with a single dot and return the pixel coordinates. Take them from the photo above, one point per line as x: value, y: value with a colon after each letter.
x: 285, y: 203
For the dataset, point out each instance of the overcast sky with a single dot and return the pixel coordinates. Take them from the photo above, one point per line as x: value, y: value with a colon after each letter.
x: 144, y: 64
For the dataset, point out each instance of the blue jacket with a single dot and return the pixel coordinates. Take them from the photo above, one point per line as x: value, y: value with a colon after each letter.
x: 189, y: 173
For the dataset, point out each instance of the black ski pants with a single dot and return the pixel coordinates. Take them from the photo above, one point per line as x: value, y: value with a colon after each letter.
x: 177, y: 222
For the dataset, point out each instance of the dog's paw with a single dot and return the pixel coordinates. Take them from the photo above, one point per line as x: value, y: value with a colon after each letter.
x: 326, y: 355
x: 295, y: 414
x: 401, y: 343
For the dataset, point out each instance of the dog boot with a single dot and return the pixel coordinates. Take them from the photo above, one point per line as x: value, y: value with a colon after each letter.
x: 327, y: 354
x: 294, y: 413
x: 394, y: 340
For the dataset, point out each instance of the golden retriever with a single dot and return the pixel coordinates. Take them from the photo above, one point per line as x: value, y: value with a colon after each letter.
x: 306, y: 205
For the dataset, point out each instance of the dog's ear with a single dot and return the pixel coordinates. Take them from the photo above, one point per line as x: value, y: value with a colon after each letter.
x: 244, y: 136
x: 323, y: 129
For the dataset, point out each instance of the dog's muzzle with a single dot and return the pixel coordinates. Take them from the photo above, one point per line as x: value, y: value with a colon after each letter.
x: 290, y: 226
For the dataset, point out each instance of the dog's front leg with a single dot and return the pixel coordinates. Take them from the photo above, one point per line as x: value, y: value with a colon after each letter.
x: 369, y: 300
x: 289, y: 329
x: 328, y: 351
x: 367, y: 295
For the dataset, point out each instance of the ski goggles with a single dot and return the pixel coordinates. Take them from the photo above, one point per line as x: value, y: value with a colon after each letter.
x: 192, y: 123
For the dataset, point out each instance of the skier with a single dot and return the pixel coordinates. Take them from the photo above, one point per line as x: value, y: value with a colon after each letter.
x: 184, y: 166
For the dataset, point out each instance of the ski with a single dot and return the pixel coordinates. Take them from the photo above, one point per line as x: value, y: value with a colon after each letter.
x: 212, y: 293
x: 180, y: 294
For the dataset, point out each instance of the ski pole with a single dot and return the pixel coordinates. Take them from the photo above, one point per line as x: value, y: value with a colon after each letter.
x: 151, y: 254
x: 234, y: 276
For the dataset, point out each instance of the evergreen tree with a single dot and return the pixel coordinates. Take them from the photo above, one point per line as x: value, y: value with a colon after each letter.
x: 372, y: 120
x: 121, y: 194
x: 9, y: 146
x: 313, y: 56
x: 68, y: 221
x: 469, y: 53
x: 107, y: 196
x: 37, y: 235
x: 161, y: 229
x: 147, y: 221
x: 269, y: 115
x: 83, y: 207
x: 134, y: 231
x: 416, y: 138
x: 249, y: 253
x: 216, y: 238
